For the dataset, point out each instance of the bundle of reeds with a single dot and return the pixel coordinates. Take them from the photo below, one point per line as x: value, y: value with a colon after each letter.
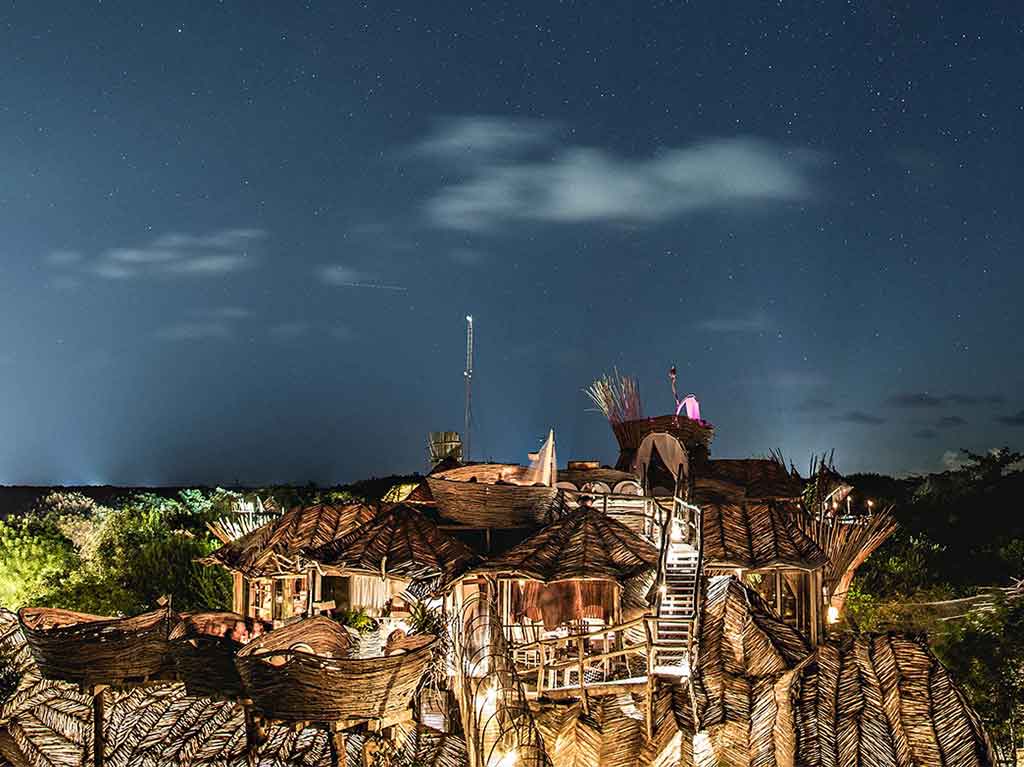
x: 617, y: 396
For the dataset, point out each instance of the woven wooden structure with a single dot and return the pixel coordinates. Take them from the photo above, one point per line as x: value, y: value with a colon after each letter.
x: 272, y: 548
x: 301, y: 673
x: 753, y: 478
x: 203, y: 646
x: 585, y: 544
x: 400, y: 542
x: 754, y: 535
x: 487, y: 505
x: 743, y: 646
x: 96, y: 650
x: 695, y: 436
x: 873, y: 700
x: 46, y: 723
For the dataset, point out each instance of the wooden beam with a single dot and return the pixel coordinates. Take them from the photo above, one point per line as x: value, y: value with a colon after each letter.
x: 99, y: 742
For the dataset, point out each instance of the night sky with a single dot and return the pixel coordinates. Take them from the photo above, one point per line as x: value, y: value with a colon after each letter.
x: 238, y: 240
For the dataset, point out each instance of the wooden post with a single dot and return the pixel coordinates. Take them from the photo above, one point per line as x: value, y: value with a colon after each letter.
x: 540, y: 671
x: 337, y: 743
x: 99, y: 743
x: 583, y: 688
x: 651, y: 651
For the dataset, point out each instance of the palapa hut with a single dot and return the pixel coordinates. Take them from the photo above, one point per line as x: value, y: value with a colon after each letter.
x: 400, y: 549
x: 270, y: 583
x: 574, y: 570
x: 750, y: 528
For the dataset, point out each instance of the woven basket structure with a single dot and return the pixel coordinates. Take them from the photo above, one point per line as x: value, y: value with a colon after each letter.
x: 302, y: 673
x: 480, y: 504
x: 695, y: 436
x: 93, y: 650
x: 203, y: 646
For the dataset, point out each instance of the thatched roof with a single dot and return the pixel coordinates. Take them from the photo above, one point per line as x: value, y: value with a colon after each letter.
x: 401, y: 542
x: 755, y: 535
x: 741, y: 641
x: 583, y: 544
x: 753, y: 478
x: 273, y: 547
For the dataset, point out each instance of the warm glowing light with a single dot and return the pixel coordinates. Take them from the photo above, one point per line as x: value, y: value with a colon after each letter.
x: 664, y: 589
x: 469, y: 318
x: 509, y: 759
x: 833, y: 614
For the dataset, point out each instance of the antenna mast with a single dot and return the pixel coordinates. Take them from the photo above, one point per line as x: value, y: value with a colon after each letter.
x: 468, y: 373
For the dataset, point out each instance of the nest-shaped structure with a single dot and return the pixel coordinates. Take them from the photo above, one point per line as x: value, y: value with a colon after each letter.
x: 474, y: 496
x: 400, y: 542
x: 694, y: 435
x: 303, y: 673
x: 98, y: 650
x: 203, y: 645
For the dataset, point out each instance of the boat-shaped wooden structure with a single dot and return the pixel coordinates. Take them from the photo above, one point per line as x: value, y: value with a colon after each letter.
x: 305, y: 673
x: 492, y: 496
x: 92, y: 650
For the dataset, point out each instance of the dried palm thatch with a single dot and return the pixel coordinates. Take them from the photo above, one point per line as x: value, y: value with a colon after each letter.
x: 755, y: 535
x: 741, y: 642
x: 400, y: 542
x: 203, y: 646
x: 49, y: 724
x: 617, y: 396
x: 272, y: 548
x: 93, y: 650
x: 753, y: 478
x: 426, y: 747
x: 301, y: 674
x: 583, y: 544
x: 481, y: 504
x: 848, y: 542
x: 879, y: 700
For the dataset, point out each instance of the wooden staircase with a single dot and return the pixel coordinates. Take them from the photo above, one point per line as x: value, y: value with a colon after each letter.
x: 678, y: 604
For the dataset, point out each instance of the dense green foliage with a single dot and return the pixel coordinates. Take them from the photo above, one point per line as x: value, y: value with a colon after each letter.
x: 73, y: 553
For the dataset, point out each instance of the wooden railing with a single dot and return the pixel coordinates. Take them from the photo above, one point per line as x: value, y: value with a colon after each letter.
x: 556, y: 656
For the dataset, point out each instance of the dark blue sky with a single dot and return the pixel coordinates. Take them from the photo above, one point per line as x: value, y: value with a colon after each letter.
x: 238, y: 240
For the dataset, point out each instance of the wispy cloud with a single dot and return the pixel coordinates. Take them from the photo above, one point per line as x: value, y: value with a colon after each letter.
x: 502, y: 182
x: 860, y: 417
x: 755, y: 323
x: 342, y: 276
x: 951, y: 421
x: 172, y: 254
x: 1016, y: 419
x: 480, y: 138
x: 926, y: 434
x: 196, y: 331
x: 929, y: 400
x: 467, y: 256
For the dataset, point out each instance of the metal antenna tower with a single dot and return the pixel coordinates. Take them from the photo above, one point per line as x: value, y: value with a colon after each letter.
x: 468, y: 374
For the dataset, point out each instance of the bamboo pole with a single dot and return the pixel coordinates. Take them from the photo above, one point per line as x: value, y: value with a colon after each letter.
x: 649, y: 713
x: 583, y: 684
